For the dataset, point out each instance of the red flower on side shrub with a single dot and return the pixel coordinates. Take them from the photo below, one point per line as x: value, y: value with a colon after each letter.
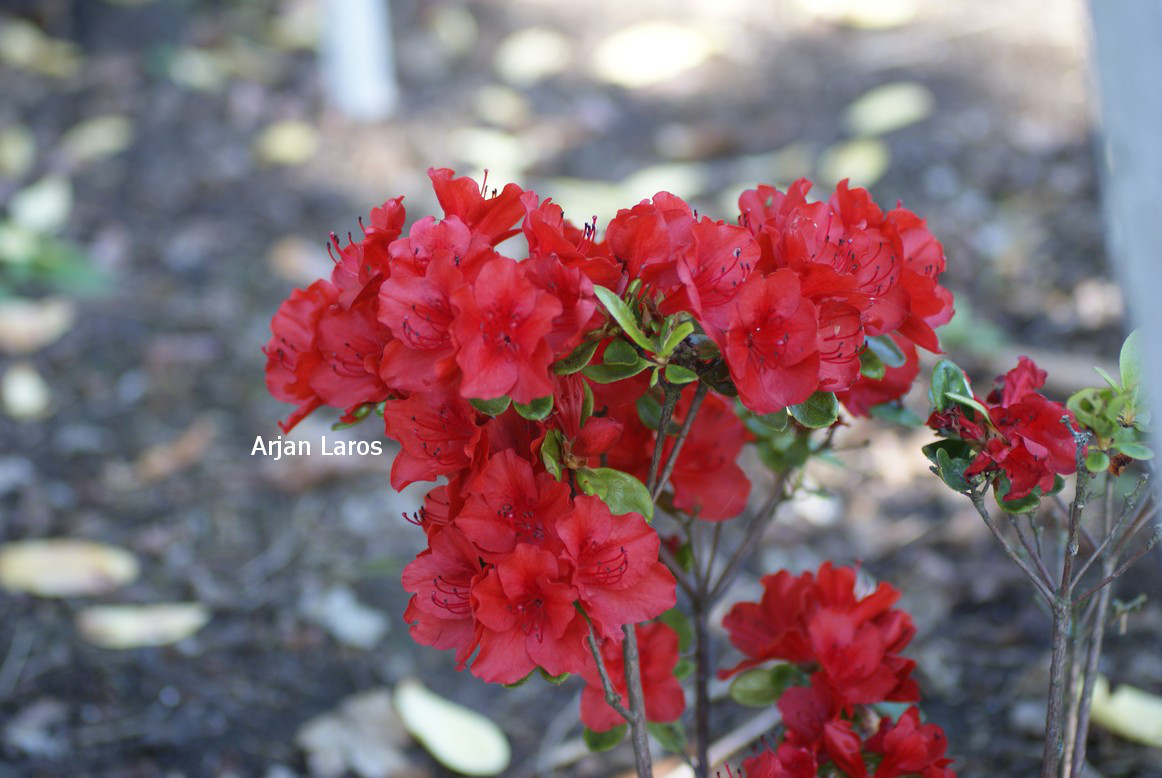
x: 658, y: 652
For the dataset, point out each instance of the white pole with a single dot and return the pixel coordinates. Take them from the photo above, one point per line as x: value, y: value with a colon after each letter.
x: 358, y: 60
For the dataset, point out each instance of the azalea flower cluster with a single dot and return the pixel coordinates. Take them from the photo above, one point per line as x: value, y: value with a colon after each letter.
x: 850, y: 646
x: 1015, y: 433
x: 532, y: 387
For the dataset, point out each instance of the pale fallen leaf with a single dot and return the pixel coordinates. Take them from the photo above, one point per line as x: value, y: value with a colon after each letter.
x: 30, y: 325
x: 296, y: 259
x: 24, y: 45
x: 1128, y: 712
x: 864, y: 161
x: 531, y: 55
x: 17, y: 150
x: 287, y: 143
x: 122, y: 627
x: 649, y: 53
x: 502, y: 106
x: 65, y: 567
x: 96, y: 138
x: 340, y: 612
x: 454, y: 26
x: 43, y: 206
x: 459, y: 738
x: 362, y: 735
x: 197, y: 69
x: 889, y: 107
x: 24, y: 393
x: 173, y: 456
x: 861, y: 14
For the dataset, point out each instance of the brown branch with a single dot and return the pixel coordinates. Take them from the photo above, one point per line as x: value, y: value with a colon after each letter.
x: 670, y: 394
x: 1091, y: 659
x: 1146, y: 549
x: 680, y: 440
x: 611, y: 695
x: 753, y: 532
x: 637, y: 703
x: 1023, y: 534
x: 977, y: 498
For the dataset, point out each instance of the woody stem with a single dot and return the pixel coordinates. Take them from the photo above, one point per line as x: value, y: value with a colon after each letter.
x: 611, y: 695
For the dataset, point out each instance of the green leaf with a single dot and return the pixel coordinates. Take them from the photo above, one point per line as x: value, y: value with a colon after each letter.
x: 493, y: 407
x: 1130, y: 361
x: 537, y: 410
x: 1108, y: 379
x: 820, y: 410
x: 576, y: 359
x: 671, y: 735
x: 1134, y: 450
x: 951, y: 471
x: 551, y: 453
x: 947, y: 377
x: 618, y: 352
x: 358, y: 415
x: 886, y: 349
x: 871, y: 366
x: 968, y: 402
x: 776, y: 421
x: 620, y: 491
x: 1097, y: 461
x: 603, y: 741
x: 586, y: 401
x: 654, y: 378
x: 623, y: 316
x: 675, y: 338
x: 521, y: 682
x: 676, y: 374
x: 683, y: 668
x: 761, y: 687
x: 608, y: 374
x: 685, y: 557
x: 896, y: 413
x: 556, y: 680
x: 676, y: 620
x: 1027, y: 504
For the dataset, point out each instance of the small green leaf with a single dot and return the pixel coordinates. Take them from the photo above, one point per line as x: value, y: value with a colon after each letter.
x: 603, y: 741
x: 761, y: 687
x: 1108, y: 379
x: 671, y: 735
x: 1097, y: 461
x: 608, y: 374
x: 1130, y: 360
x: 968, y: 402
x: 556, y: 680
x: 676, y: 620
x: 886, y: 349
x: 676, y: 374
x: 521, y: 682
x: 623, y: 316
x: 551, y: 453
x: 620, y: 491
x: 820, y: 410
x: 358, y: 415
x: 776, y: 421
x: 577, y: 359
x: 683, y: 668
x: 1027, y: 504
x: 618, y: 352
x: 675, y: 338
x: 537, y: 410
x: 947, y: 377
x: 951, y: 471
x: 654, y: 378
x: 1134, y: 450
x: 871, y: 366
x: 586, y: 401
x: 493, y: 407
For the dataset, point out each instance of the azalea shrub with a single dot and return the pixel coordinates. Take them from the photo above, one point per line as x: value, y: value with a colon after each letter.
x: 562, y: 397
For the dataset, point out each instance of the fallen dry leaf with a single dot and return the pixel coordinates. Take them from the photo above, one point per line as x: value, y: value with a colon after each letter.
x: 362, y: 735
x: 286, y: 143
x: 459, y: 738
x: 122, y: 627
x: 1128, y: 712
x: 173, y: 456
x: 65, y: 567
x: 30, y: 325
x: 24, y: 393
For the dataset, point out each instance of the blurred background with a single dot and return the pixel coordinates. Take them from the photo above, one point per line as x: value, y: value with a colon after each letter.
x: 169, y: 171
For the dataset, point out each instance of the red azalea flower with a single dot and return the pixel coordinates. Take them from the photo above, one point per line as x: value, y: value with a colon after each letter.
x: 911, y: 748
x: 492, y: 217
x: 509, y: 505
x: 930, y: 304
x: 438, y: 435
x: 574, y: 292
x: 418, y: 309
x: 351, y: 341
x: 449, y: 240
x: 711, y: 272
x: 648, y: 238
x: 292, y: 352
x: 707, y: 480
x: 501, y: 326
x: 440, y: 508
x: 658, y: 655
x: 615, y: 565
x: 441, y: 580
x: 770, y: 346
x: 775, y: 627
x: 593, y: 436
x: 789, y: 761
x: 866, y: 392
x: 359, y: 263
x: 840, y: 340
x: 527, y: 619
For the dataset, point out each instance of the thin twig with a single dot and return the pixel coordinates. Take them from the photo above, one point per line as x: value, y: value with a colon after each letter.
x: 670, y: 393
x: 1046, y: 578
x: 1091, y: 660
x: 683, y: 432
x: 611, y: 696
x: 679, y: 574
x: 709, y: 571
x: 778, y: 495
x: 977, y: 497
x: 1146, y: 549
x: 637, y: 703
